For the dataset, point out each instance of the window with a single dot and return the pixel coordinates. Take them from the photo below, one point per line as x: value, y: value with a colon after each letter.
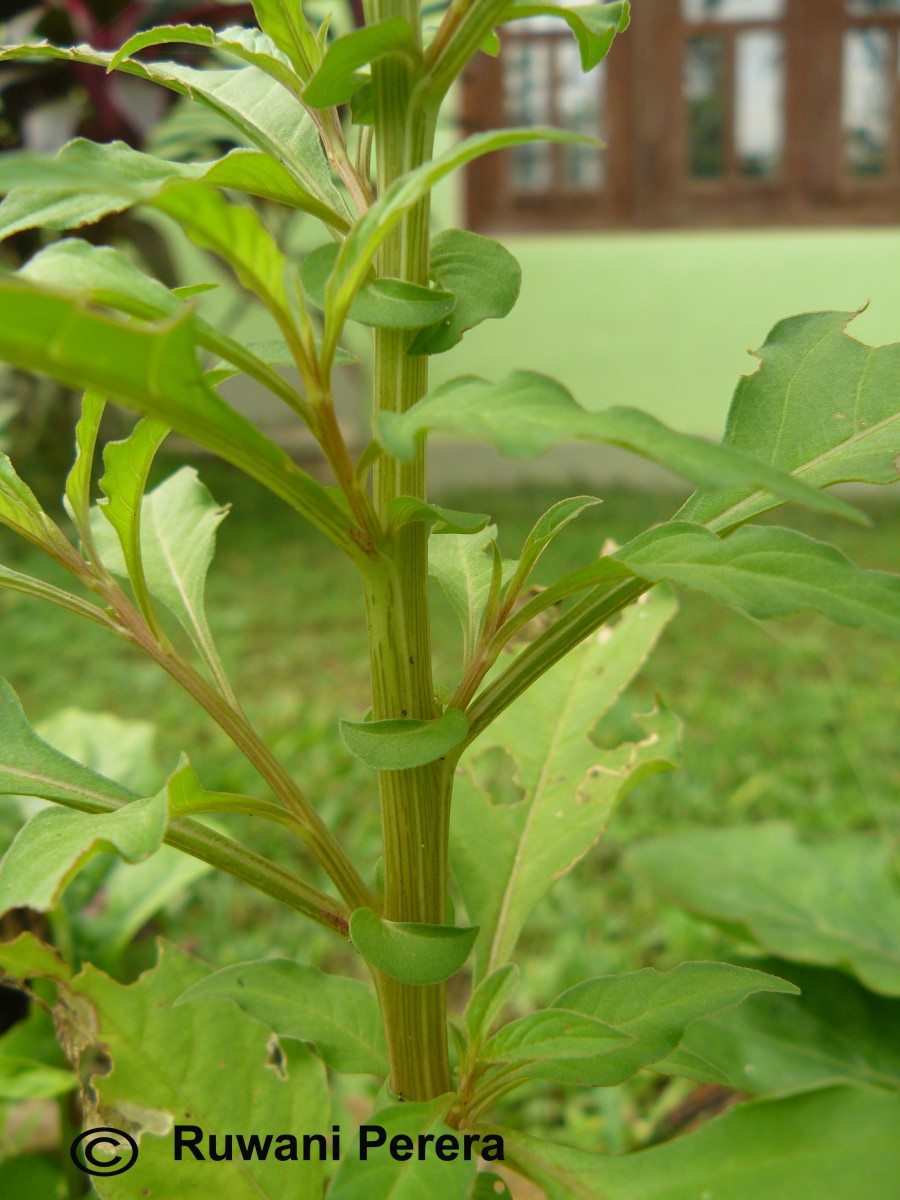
x: 712, y: 112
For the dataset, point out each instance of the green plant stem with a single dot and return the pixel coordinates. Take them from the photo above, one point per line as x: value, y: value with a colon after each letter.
x: 414, y: 802
x: 598, y: 607
x: 221, y: 852
x: 315, y: 833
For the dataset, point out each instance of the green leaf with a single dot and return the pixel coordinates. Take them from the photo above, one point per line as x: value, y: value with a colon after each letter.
x: 28, y: 766
x: 482, y: 275
x: 117, y: 749
x: 768, y: 572
x: 506, y: 857
x: 403, y: 510
x: 77, y: 497
x: 563, y: 1047
x: 656, y: 1007
x: 835, y: 902
x: 178, y: 523
x: 87, y: 180
x: 127, y: 466
x: 288, y: 28
x: 489, y: 1186
x: 526, y: 414
x: 109, y: 277
x: 463, y: 564
x: 54, y: 845
x: 363, y: 242
x: 835, y: 1033
x: 337, y: 78
x: 821, y: 406
x: 34, y: 1175
x: 24, y: 1079
x: 148, y: 1066
x: 382, y: 1177
x: 339, y: 1016
x: 37, y: 589
x: 237, y: 235
x: 133, y: 894
x: 839, y: 1143
x: 594, y: 25
x: 249, y: 45
x: 263, y: 111
x: 403, y: 742
x: 21, y: 512
x: 488, y: 1000
x: 384, y: 303
x: 542, y: 533
x: 410, y: 951
x: 154, y: 371
x: 31, y: 767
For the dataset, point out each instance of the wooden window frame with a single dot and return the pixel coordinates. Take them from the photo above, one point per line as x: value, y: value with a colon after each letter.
x: 649, y: 185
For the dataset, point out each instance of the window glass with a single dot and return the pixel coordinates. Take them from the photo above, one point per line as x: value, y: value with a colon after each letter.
x: 579, y: 103
x: 866, y: 101
x: 759, y: 102
x: 867, y: 8
x: 732, y: 10
x: 704, y: 93
x: 527, y: 87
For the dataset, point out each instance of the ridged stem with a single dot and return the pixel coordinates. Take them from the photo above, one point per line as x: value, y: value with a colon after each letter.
x: 414, y: 802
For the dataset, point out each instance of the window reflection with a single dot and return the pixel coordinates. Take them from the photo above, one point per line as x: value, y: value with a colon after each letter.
x: 732, y: 10
x: 579, y: 102
x: 704, y: 93
x: 527, y: 85
x: 867, y: 8
x: 866, y: 101
x: 759, y: 103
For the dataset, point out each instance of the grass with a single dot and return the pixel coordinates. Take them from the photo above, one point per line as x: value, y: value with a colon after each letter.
x: 785, y: 720
x: 790, y: 720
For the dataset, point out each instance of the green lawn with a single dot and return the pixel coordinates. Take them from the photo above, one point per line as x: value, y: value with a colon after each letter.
x: 791, y: 720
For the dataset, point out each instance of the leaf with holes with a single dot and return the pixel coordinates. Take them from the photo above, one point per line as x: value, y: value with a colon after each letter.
x: 821, y: 406
x: 340, y: 1017
x: 506, y: 856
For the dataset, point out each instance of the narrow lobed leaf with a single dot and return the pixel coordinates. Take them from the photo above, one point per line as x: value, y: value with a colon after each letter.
x: 822, y: 406
x: 594, y: 25
x: 768, y: 572
x: 835, y: 902
x: 337, y: 78
x: 526, y: 414
x: 54, y: 845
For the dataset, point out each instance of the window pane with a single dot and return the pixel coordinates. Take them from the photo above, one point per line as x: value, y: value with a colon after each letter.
x: 579, y: 102
x: 704, y: 92
x: 527, y: 82
x: 865, y: 8
x: 759, y: 102
x: 732, y: 10
x: 866, y: 101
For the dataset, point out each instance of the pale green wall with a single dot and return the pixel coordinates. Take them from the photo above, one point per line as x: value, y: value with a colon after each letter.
x: 663, y: 320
